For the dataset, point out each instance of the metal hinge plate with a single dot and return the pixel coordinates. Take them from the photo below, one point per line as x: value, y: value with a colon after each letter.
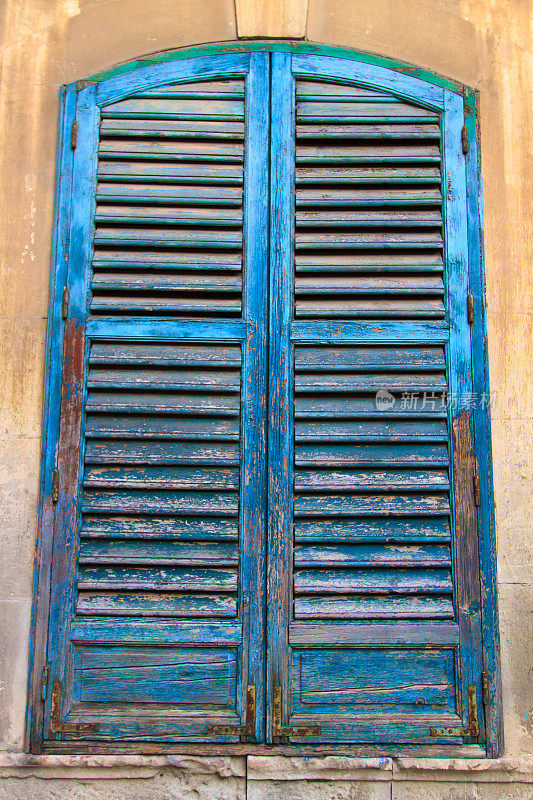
x: 55, y: 486
x: 246, y: 731
x: 477, y: 488
x: 278, y: 729
x: 470, y: 308
x: 58, y: 727
x: 464, y: 140
x: 64, y: 304
x: 44, y: 682
x: 485, y: 688
x: 470, y: 732
x: 74, y: 135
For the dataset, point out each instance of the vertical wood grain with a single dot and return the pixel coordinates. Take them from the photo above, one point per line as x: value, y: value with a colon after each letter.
x: 280, y: 424
x: 467, y: 578
x: 483, y: 438
x: 253, y: 504
x: 467, y: 555
x: 51, y: 415
x: 73, y: 386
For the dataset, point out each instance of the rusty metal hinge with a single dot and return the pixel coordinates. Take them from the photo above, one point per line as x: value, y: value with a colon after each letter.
x: 485, y: 689
x: 74, y: 135
x: 44, y: 682
x: 464, y: 140
x: 278, y: 729
x: 56, y: 726
x: 64, y: 304
x: 246, y: 731
x: 470, y: 732
x: 470, y: 308
x: 477, y: 489
x: 55, y: 486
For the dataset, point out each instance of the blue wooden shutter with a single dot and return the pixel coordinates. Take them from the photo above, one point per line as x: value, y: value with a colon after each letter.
x: 374, y: 625
x: 159, y: 505
x: 156, y: 612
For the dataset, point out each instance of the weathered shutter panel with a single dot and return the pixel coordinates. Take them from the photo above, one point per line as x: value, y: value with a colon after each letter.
x: 377, y: 637
x: 375, y: 253
x: 368, y: 206
x: 161, y: 482
x: 156, y: 612
x: 169, y: 203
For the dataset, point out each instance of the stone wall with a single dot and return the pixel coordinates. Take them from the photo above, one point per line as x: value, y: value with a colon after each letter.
x: 483, y: 43
x: 25, y: 777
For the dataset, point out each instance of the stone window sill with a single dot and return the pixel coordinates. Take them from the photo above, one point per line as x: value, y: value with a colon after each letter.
x: 270, y: 768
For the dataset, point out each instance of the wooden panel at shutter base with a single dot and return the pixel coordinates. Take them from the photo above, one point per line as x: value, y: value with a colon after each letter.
x: 376, y: 694
x: 174, y: 676
x: 373, y: 681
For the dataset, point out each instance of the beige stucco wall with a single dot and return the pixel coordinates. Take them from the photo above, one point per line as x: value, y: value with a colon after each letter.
x: 46, y: 43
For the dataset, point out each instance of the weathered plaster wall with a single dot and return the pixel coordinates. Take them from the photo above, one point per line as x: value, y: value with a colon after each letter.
x: 46, y: 43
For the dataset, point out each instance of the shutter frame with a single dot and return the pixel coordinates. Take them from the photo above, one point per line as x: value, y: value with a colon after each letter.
x: 480, y: 416
x: 482, y: 435
x: 51, y: 418
x: 280, y: 453
x: 72, y: 388
x: 460, y: 371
